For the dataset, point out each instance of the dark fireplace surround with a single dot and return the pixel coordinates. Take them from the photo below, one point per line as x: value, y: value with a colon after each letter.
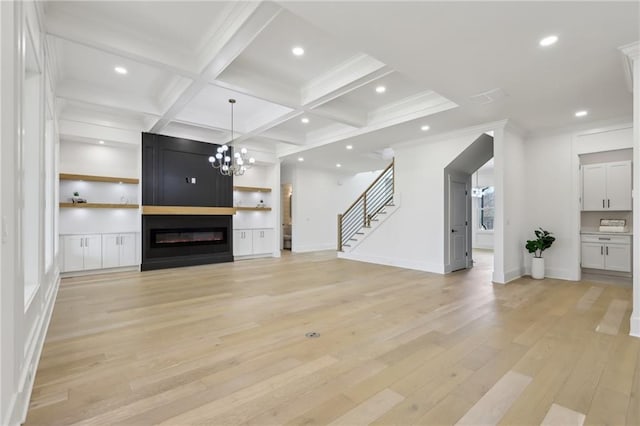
x: 176, y: 173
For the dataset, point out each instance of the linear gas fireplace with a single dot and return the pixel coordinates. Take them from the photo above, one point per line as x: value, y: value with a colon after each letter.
x: 183, y: 240
x: 188, y: 237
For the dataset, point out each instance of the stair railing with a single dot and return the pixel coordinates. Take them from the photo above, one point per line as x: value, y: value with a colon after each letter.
x: 367, y: 206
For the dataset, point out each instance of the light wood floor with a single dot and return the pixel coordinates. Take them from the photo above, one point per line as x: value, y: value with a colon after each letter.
x: 225, y: 344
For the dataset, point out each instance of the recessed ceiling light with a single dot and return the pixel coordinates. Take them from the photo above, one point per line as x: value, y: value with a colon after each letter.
x: 425, y: 128
x: 349, y: 146
x: 338, y: 165
x: 581, y: 113
x: 121, y: 70
x: 298, y: 51
x: 305, y: 120
x: 300, y: 159
x: 548, y: 41
x: 381, y: 89
x: 101, y: 142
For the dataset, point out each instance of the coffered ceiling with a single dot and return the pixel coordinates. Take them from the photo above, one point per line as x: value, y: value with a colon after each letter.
x: 184, y: 60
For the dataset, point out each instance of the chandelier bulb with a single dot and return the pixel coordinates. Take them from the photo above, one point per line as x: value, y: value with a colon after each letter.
x: 252, y: 160
x: 225, y: 148
x: 219, y: 156
x: 212, y: 159
x: 237, y: 155
x: 243, y: 150
x: 227, y: 159
x: 225, y: 167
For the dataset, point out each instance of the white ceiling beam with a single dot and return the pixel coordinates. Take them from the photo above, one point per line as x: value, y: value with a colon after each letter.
x: 247, y: 24
x: 97, y: 132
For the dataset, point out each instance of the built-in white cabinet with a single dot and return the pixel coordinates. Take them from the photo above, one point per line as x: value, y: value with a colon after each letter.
x: 81, y: 252
x: 606, y: 252
x: 119, y: 250
x: 606, y: 186
x: 247, y: 242
x: 85, y: 252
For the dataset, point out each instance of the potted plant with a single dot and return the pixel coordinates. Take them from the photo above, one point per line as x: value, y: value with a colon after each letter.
x: 542, y: 242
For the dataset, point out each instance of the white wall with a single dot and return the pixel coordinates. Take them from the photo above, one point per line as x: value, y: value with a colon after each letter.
x: 509, y: 160
x: 413, y: 236
x: 24, y: 316
x: 548, y: 191
x: 99, y: 160
x: 318, y: 197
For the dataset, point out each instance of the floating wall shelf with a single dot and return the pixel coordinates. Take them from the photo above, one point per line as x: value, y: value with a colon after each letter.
x: 251, y: 189
x: 98, y: 206
x: 110, y: 179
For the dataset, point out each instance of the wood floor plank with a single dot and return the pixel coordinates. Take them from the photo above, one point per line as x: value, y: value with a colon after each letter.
x: 495, y: 403
x: 612, y: 320
x: 369, y: 410
x: 589, y: 298
x: 562, y: 416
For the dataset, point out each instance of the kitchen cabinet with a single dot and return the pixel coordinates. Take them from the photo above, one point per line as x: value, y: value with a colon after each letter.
x: 81, y: 252
x: 606, y: 252
x: 607, y: 186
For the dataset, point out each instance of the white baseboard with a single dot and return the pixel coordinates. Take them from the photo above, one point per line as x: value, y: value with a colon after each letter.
x: 635, y: 324
x: 319, y: 247
x: 253, y: 256
x: 134, y: 268
x: 390, y: 261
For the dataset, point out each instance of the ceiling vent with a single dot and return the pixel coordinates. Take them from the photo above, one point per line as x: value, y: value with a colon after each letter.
x: 487, y: 97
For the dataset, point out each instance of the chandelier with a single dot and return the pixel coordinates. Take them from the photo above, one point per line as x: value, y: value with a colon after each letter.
x: 222, y: 161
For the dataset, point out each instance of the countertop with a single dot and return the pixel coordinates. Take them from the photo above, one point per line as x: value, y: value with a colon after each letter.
x: 596, y: 232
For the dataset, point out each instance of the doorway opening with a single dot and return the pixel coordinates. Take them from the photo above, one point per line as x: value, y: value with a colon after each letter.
x: 286, y: 192
x: 469, y: 207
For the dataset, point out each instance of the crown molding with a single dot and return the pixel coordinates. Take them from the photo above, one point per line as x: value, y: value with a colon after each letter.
x: 631, y: 53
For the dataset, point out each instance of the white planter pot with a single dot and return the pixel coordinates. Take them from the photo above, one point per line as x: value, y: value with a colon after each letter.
x: 537, y: 268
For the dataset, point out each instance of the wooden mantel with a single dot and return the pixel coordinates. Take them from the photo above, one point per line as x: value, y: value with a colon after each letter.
x: 187, y: 210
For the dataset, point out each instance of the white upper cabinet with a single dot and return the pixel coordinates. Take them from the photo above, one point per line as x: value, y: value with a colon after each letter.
x: 606, y: 186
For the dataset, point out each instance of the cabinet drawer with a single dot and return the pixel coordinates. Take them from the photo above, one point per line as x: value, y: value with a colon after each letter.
x: 606, y: 239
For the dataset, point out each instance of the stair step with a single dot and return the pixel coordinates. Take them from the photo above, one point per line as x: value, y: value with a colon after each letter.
x: 382, y: 212
x: 346, y: 245
x: 359, y: 233
x: 353, y: 239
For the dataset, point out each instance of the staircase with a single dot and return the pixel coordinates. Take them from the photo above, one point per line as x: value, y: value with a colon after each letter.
x: 368, y: 209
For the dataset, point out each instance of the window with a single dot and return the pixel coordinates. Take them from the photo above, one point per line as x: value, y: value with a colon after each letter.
x: 486, y: 207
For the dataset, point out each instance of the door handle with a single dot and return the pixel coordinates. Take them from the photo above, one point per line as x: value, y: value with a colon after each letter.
x: 601, y: 250
x: 603, y: 203
x: 453, y: 230
x: 81, y: 242
x: 608, y: 203
x: 607, y: 250
x: 86, y: 242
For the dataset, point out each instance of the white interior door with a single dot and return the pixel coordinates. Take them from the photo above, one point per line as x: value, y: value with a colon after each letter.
x: 458, y: 223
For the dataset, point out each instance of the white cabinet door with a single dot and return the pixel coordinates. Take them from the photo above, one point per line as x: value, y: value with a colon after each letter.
x: 73, y: 253
x: 110, y: 251
x: 128, y: 252
x: 619, y: 186
x: 618, y: 257
x: 594, y: 187
x: 93, y: 251
x: 593, y: 255
x: 262, y: 241
x: 242, y: 242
